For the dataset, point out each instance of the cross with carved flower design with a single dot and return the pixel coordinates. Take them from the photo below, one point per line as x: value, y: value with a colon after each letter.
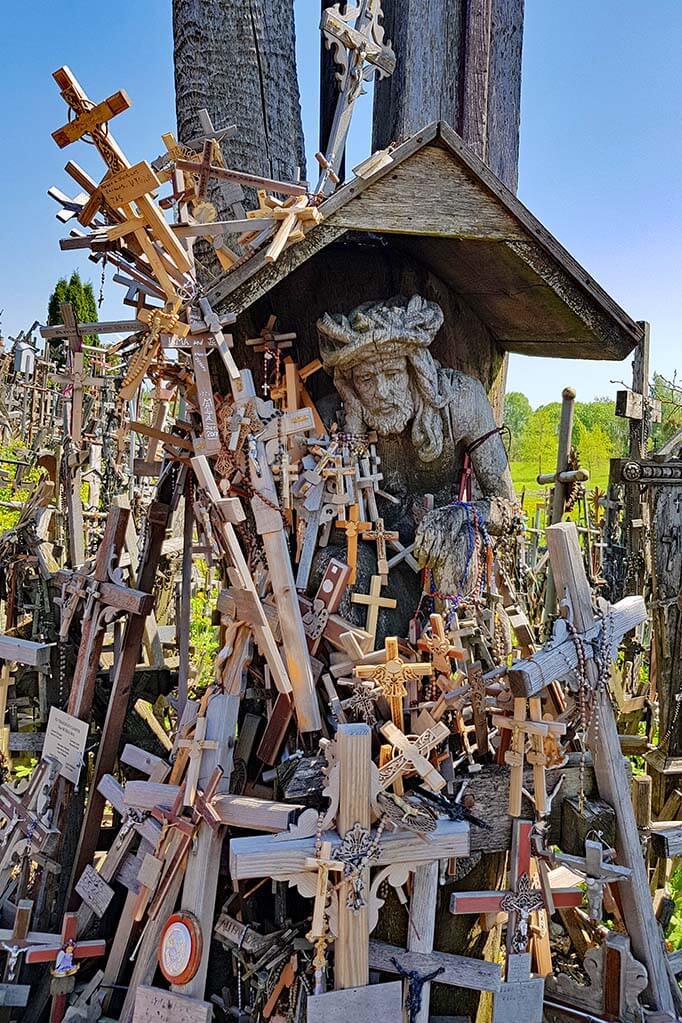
x: 391, y: 678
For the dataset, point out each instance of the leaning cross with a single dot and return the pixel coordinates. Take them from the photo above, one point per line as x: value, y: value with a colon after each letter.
x: 361, y: 52
x: 610, y: 768
x: 411, y: 754
x: 521, y: 899
x: 356, y: 844
x: 520, y: 727
x: 392, y: 676
x: 105, y: 596
x: 195, y: 747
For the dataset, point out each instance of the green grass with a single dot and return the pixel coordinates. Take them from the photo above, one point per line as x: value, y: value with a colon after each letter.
x: 524, y: 477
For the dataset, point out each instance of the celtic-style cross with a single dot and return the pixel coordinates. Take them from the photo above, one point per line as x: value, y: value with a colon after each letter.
x: 391, y: 678
x: 522, y: 899
x: 411, y: 753
x: 360, y: 52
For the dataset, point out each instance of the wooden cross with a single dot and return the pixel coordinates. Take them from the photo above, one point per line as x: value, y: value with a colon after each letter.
x: 338, y: 473
x: 89, y: 119
x: 380, y: 536
x: 412, y: 755
x: 520, y: 727
x: 104, y: 599
x: 610, y: 767
x: 373, y: 601
x: 356, y: 845
x: 324, y: 865
x: 209, y: 132
x: 76, y: 378
x: 392, y: 676
x: 596, y: 871
x: 367, y: 485
x: 440, y: 646
x: 24, y: 819
x: 66, y: 949
x: 353, y: 528
x: 522, y: 899
x: 361, y: 52
x: 195, y: 747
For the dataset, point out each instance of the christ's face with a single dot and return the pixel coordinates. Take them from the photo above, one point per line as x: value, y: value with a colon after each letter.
x: 385, y: 392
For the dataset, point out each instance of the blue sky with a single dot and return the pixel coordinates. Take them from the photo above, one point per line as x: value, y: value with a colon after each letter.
x: 600, y: 148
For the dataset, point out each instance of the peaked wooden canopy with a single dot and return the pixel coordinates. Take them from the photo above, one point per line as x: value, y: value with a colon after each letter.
x: 442, y: 205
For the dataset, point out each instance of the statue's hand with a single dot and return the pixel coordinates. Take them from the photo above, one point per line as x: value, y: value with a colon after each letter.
x: 442, y: 543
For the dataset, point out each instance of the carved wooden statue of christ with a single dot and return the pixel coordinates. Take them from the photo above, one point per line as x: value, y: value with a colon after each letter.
x: 426, y: 416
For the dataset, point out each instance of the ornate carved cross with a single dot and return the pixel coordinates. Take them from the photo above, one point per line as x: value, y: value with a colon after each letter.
x: 440, y: 647
x: 411, y: 754
x: 596, y: 871
x: 392, y: 676
x: 380, y: 536
x: 522, y: 899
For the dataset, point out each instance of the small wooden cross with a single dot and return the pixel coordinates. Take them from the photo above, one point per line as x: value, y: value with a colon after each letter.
x: 271, y: 343
x: 520, y: 727
x: 440, y: 646
x: 522, y: 899
x: 392, y: 676
x: 367, y: 484
x: 353, y: 527
x: 339, y: 474
x: 412, y: 755
x: 596, y: 871
x: 380, y: 536
x: 196, y: 746
x: 66, y: 949
x: 373, y: 600
x: 324, y: 864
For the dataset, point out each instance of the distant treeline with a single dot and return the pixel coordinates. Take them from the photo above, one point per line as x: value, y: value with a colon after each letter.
x: 598, y: 433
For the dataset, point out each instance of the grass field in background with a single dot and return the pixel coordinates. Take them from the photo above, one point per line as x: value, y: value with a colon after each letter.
x: 524, y: 477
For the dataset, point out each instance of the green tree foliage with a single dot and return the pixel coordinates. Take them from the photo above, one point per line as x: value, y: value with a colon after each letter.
x: 517, y: 412
x: 82, y: 298
x: 669, y: 393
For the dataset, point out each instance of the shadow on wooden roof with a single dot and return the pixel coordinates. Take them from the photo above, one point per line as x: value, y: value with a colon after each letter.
x: 452, y: 213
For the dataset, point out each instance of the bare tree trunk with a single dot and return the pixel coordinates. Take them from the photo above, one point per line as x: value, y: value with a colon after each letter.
x: 458, y: 61
x: 237, y: 59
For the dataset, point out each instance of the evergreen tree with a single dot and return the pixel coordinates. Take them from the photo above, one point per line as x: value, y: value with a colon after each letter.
x: 82, y: 299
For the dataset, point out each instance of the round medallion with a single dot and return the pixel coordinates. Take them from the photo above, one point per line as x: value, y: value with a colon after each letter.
x: 631, y: 472
x: 180, y: 948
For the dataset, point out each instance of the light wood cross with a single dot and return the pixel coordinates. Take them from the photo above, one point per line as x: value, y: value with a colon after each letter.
x: 373, y: 601
x: 379, y: 535
x: 410, y: 753
x: 391, y: 678
x: 440, y: 647
x: 356, y: 844
x: 520, y: 728
x: 195, y: 747
x: 118, y: 188
x: 353, y: 528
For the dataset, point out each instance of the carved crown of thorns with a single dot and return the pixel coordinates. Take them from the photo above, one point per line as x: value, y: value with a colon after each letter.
x: 395, y: 327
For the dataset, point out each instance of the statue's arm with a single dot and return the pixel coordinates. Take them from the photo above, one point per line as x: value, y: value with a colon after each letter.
x: 473, y: 420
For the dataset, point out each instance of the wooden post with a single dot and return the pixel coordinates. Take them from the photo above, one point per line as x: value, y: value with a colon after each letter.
x: 612, y: 775
x: 559, y: 494
x: 354, y: 751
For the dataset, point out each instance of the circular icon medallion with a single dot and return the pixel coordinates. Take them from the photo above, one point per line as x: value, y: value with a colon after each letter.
x: 180, y: 948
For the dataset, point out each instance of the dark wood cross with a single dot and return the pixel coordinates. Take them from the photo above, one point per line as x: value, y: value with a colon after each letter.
x: 522, y: 899
x: 360, y: 51
x: 65, y: 945
x: 21, y: 813
x: 317, y: 612
x: 380, y: 535
x: 103, y: 596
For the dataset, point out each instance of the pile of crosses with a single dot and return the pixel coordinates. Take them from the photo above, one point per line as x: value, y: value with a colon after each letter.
x: 326, y: 786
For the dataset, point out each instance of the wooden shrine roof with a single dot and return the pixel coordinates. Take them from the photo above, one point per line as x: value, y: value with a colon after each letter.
x: 444, y: 207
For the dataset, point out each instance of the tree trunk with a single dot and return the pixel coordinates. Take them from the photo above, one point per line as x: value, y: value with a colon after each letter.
x: 237, y: 59
x: 457, y: 61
